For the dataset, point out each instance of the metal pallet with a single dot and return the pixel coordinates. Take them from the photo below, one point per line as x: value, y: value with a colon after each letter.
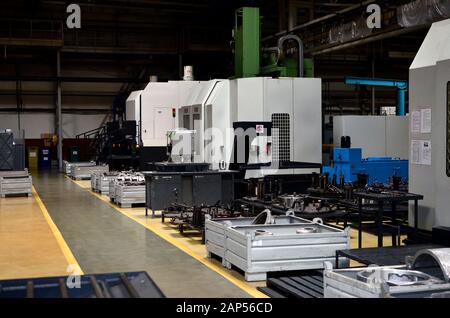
x: 308, y: 284
x: 117, y: 285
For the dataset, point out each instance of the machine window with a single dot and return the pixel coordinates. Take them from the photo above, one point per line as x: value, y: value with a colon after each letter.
x: 447, y: 162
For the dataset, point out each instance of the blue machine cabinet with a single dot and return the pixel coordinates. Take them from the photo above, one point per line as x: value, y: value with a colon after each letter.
x: 348, y: 162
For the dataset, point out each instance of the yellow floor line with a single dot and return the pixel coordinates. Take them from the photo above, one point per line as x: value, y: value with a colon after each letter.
x: 71, y: 260
x: 218, y: 268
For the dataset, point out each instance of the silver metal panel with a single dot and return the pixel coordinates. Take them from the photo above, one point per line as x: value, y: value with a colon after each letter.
x: 307, y: 128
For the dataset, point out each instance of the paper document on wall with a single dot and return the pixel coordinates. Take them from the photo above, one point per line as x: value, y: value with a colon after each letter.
x: 425, y: 148
x: 421, y: 152
x: 425, y: 119
x: 415, y: 152
x: 415, y: 122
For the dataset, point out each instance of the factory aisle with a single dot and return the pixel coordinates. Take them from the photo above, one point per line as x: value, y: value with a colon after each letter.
x: 28, y: 244
x: 103, y: 240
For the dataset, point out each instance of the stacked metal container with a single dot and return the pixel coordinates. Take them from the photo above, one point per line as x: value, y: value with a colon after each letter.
x: 15, y: 183
x: 69, y: 167
x: 84, y: 170
x: 100, y: 181
x: 283, y: 244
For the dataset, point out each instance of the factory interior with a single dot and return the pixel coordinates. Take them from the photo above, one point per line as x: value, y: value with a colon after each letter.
x: 257, y: 149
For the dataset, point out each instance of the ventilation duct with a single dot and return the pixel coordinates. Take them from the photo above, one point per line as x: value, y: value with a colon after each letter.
x: 349, y: 31
x: 421, y: 12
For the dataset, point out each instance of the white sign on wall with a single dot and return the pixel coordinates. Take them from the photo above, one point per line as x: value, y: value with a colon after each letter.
x: 425, y: 121
x: 421, y: 152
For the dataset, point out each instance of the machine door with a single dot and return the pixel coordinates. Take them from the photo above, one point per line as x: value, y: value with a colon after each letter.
x: 155, y: 128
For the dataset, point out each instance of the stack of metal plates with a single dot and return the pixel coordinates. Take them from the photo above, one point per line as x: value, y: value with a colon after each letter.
x: 15, y: 183
x: 287, y: 244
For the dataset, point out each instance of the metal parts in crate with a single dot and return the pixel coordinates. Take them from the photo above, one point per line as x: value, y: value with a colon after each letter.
x: 15, y: 183
x: 274, y: 247
x: 116, y: 285
x: 127, y: 189
x: 426, y: 275
x: 348, y: 162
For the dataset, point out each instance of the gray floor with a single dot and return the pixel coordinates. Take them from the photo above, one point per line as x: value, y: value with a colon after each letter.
x: 103, y: 240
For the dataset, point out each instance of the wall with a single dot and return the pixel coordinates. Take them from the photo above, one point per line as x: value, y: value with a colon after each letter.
x: 378, y: 136
x: 35, y: 124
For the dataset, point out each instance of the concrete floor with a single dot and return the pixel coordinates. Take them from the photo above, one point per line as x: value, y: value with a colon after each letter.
x: 28, y: 246
x: 66, y: 223
x: 103, y: 240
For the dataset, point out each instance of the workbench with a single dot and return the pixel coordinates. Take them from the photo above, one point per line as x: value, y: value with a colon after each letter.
x: 192, y: 188
x: 383, y: 256
x: 380, y: 200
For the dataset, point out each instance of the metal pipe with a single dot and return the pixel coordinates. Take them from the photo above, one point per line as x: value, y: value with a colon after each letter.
x: 59, y: 111
x: 321, y: 19
x: 301, y: 50
x: 401, y: 102
x: 400, y: 85
x: 366, y: 40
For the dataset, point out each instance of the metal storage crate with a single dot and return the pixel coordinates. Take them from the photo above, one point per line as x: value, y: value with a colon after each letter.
x: 128, y: 194
x: 15, y: 183
x: 69, y: 166
x: 85, y: 172
x: 259, y: 249
x: 102, y: 182
x: 112, y: 189
x: 426, y: 276
x: 215, y: 230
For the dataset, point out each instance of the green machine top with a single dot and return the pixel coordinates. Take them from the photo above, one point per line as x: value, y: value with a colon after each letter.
x: 250, y: 60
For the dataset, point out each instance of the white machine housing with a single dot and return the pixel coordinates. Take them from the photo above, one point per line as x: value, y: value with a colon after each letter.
x: 158, y: 104
x: 220, y: 103
x: 378, y: 136
x: 429, y: 87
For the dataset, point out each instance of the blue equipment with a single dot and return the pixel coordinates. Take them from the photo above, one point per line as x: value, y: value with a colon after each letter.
x: 348, y: 162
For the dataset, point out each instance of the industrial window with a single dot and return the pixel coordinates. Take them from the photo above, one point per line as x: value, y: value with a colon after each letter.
x: 281, y: 132
x: 447, y: 163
